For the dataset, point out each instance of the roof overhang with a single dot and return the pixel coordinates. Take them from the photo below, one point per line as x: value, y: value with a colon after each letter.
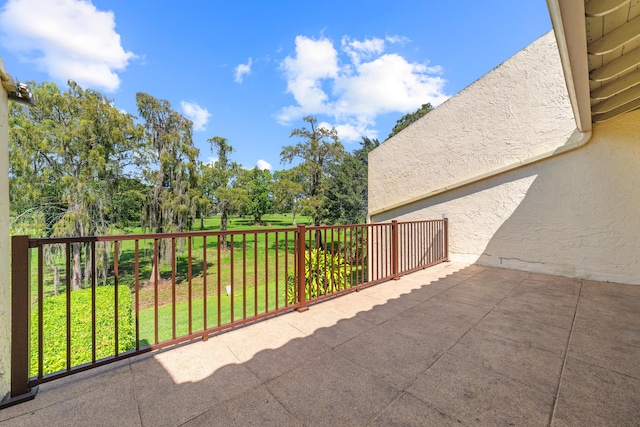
x: 599, y: 43
x: 568, y: 22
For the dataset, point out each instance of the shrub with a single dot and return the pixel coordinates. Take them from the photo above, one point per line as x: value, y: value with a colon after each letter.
x: 324, y: 273
x: 54, y: 356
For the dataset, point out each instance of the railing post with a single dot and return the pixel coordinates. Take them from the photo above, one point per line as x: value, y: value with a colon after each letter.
x: 446, y: 239
x: 302, y: 292
x: 395, y: 249
x: 20, y: 321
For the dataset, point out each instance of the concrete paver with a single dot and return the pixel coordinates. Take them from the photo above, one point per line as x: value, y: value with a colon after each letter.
x: 449, y: 345
x: 475, y: 395
x: 593, y: 396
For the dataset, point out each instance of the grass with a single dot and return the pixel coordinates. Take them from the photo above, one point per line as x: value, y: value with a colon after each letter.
x: 246, y: 303
x: 54, y: 337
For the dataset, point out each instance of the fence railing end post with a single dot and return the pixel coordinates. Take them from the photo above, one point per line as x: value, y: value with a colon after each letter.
x: 20, y: 322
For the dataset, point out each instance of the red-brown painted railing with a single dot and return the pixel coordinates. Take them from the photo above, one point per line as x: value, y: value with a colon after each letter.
x: 230, y: 278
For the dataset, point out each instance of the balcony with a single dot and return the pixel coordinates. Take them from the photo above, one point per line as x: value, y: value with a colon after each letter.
x: 452, y: 344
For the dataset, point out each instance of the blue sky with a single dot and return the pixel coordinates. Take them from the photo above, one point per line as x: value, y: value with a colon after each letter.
x: 250, y: 70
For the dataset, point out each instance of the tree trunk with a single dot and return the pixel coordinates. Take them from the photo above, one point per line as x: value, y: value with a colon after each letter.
x: 319, y: 244
x: 223, y: 227
x: 88, y: 272
x: 56, y: 280
x: 294, y: 219
x: 77, y: 267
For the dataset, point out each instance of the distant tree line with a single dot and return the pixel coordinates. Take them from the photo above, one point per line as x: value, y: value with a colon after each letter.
x: 79, y: 166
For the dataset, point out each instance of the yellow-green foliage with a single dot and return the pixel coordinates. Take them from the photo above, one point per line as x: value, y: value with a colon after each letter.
x: 325, y: 273
x: 55, y: 332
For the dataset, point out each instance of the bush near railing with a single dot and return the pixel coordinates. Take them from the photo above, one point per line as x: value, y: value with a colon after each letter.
x: 55, y: 322
x: 325, y: 272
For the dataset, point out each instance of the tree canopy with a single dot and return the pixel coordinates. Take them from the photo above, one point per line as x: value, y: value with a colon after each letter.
x: 347, y: 199
x: 318, y: 149
x: 80, y: 166
x: 410, y: 118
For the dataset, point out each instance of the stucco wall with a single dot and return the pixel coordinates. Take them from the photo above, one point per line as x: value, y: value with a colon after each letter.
x: 519, y: 109
x: 5, y: 294
x: 574, y: 215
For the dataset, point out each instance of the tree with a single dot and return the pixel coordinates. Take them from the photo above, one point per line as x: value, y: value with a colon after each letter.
x: 348, y: 197
x: 257, y: 184
x: 223, y: 174
x: 317, y: 151
x: 171, y: 203
x: 129, y: 201
x: 410, y: 118
x: 67, y: 151
x: 288, y: 190
x: 206, y: 189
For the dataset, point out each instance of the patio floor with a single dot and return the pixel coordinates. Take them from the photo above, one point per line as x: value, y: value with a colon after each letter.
x: 450, y: 345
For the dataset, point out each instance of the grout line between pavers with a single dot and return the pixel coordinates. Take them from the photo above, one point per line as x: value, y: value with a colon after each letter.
x: 566, y: 356
x: 404, y: 390
x: 135, y: 394
x: 393, y: 317
x: 266, y: 386
x: 463, y: 335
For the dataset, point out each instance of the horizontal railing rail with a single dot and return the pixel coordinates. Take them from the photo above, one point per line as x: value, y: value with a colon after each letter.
x: 99, y: 299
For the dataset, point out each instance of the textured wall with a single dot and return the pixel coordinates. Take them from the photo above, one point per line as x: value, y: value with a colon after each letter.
x: 574, y: 215
x: 519, y: 109
x: 5, y: 313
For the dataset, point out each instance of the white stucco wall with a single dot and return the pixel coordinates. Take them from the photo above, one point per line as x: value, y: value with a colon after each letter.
x: 492, y: 123
x: 5, y: 290
x: 574, y: 215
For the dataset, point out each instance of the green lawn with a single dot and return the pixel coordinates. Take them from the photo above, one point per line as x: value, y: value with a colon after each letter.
x: 245, y: 304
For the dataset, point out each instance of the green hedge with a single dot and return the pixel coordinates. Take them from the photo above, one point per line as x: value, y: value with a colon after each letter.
x: 55, y: 332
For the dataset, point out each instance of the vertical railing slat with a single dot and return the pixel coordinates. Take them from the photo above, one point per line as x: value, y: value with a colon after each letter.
x: 116, y: 313
x: 93, y: 301
x: 40, y: 310
x: 190, y: 284
x: 255, y: 274
x: 68, y: 307
x: 136, y: 268
x: 218, y: 256
x: 266, y: 272
x: 156, y: 274
x: 204, y: 283
x: 277, y: 293
x: 173, y: 288
x: 232, y: 266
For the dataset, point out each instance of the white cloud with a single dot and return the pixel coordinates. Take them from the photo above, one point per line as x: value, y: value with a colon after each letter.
x: 198, y: 115
x: 242, y: 70
x: 315, y: 61
x: 355, y: 131
x: 67, y: 39
x: 355, y: 86
x: 359, y: 50
x: 263, y: 164
x: 211, y: 161
x: 402, y: 40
